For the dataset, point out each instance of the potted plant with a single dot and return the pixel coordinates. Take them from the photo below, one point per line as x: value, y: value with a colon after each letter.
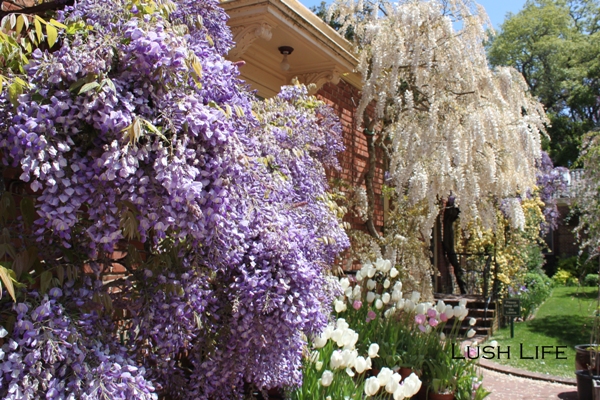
x: 587, y: 363
x: 442, y: 371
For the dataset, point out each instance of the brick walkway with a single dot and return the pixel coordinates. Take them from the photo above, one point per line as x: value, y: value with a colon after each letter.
x: 510, y: 387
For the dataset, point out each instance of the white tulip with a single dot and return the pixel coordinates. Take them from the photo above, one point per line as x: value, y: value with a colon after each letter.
x: 378, y: 304
x: 463, y: 303
x: 398, y: 285
x: 370, y: 297
x: 350, y: 372
x: 458, y: 310
x: 409, y: 305
x: 349, y: 339
x: 371, y: 386
x: 326, y: 334
x: 337, y: 334
x: 471, y: 333
x: 394, y: 272
x: 371, y: 271
x: 373, y: 350
x: 391, y: 386
x: 412, y: 384
x: 319, y: 342
x: 494, y: 343
x: 342, y: 324
x: 396, y: 295
x: 348, y: 357
x: 389, y: 312
x: 449, y: 311
x: 359, y: 276
x: 344, y: 283
x: 440, y: 307
x: 442, y: 336
x: 371, y: 284
x: 421, y: 308
x: 386, y: 283
x: 400, y: 393
x: 336, y: 360
x: 357, y: 292
x: 400, y: 304
x: 385, y: 298
x: 348, y: 292
x: 319, y: 365
x: 360, y: 364
x: 472, y: 321
x: 326, y: 378
x: 340, y: 306
x: 384, y: 376
x: 415, y: 296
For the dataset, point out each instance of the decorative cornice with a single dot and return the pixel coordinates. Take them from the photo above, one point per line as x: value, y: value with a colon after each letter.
x: 315, y: 80
x: 244, y: 36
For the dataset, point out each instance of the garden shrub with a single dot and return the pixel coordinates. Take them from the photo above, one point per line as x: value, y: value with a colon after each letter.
x: 578, y: 266
x: 537, y: 288
x: 564, y: 278
x: 591, y: 280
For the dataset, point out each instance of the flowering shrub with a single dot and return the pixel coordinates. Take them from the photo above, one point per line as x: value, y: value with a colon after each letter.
x: 564, y: 278
x: 135, y: 134
x: 533, y: 291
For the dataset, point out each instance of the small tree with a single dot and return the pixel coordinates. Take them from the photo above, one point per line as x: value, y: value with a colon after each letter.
x: 447, y: 122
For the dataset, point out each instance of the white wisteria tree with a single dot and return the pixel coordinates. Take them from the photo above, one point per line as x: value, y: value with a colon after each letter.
x: 448, y: 123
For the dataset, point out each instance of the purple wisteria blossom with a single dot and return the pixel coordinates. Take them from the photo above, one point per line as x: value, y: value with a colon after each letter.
x: 137, y: 129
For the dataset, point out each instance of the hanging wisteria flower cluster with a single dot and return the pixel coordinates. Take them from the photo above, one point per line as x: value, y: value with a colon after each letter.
x: 137, y: 129
x: 52, y: 354
x: 453, y: 125
x: 552, y: 182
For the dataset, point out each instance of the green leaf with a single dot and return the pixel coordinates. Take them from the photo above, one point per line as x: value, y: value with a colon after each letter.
x: 197, y: 68
x: 45, y: 281
x: 89, y: 86
x: 7, y: 277
x: 57, y: 24
x: 28, y: 211
x: 52, y: 35
x: 38, y: 29
x: 60, y: 273
x: 20, y: 23
x: 14, y: 91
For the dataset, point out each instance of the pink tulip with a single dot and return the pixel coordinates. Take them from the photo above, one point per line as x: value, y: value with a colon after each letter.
x: 371, y: 315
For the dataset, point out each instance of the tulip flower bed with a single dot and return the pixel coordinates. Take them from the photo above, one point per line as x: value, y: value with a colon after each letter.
x: 378, y: 334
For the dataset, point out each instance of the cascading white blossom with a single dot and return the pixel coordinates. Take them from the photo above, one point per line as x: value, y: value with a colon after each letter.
x: 452, y: 124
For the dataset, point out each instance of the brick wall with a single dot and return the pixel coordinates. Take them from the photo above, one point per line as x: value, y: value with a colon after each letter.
x: 344, y: 99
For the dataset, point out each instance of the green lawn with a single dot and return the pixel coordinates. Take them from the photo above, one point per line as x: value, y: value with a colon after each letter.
x: 563, y: 320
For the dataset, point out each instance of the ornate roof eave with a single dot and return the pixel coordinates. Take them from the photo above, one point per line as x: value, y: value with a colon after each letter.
x: 259, y: 27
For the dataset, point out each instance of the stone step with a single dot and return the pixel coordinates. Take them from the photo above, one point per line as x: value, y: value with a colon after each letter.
x: 479, y: 308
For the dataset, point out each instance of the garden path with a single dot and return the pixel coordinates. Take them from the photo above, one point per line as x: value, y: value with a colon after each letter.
x: 511, y: 387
